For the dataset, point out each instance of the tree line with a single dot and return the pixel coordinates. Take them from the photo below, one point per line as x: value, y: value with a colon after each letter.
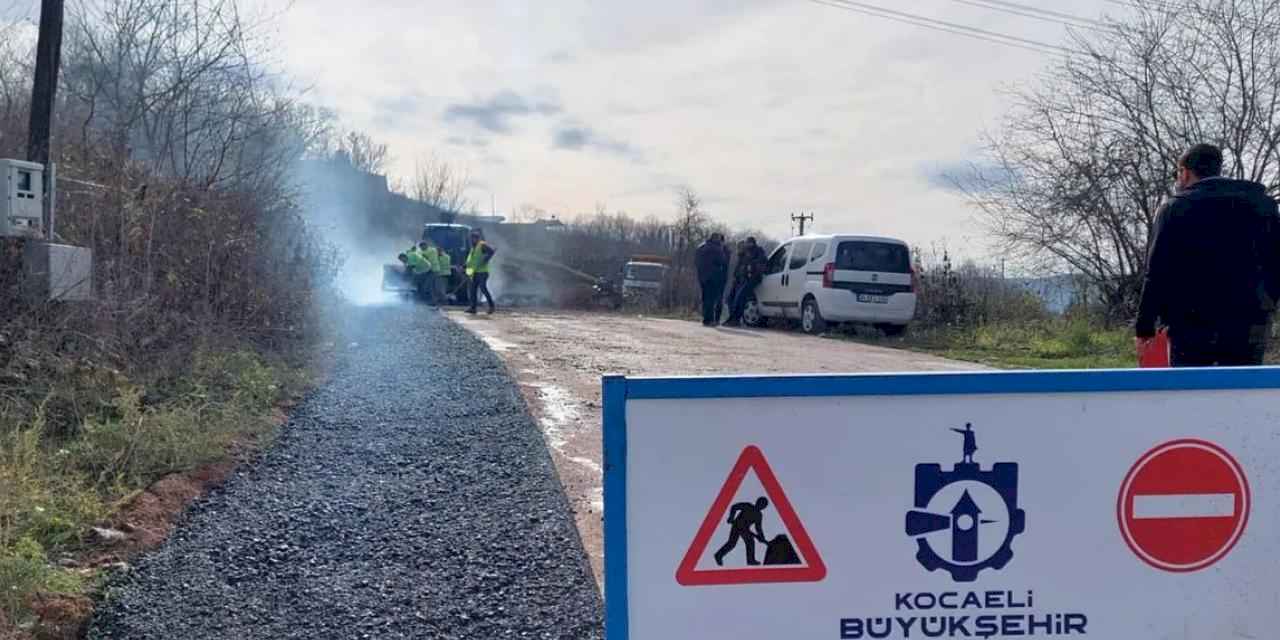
x: 1071, y: 180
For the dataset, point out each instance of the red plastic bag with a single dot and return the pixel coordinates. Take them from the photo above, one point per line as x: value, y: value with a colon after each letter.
x: 1154, y: 353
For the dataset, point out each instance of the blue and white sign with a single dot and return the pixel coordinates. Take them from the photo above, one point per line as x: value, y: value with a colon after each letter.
x: 972, y: 505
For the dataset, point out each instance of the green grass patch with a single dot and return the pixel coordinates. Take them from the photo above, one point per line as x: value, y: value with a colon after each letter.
x: 1054, y: 344
x: 58, y: 480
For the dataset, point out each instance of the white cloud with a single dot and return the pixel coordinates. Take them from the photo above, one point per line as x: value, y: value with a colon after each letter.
x: 764, y: 106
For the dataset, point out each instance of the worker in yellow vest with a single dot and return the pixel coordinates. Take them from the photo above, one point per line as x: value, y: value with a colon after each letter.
x: 477, y: 267
x: 423, y: 264
x: 442, y: 276
x: 431, y: 254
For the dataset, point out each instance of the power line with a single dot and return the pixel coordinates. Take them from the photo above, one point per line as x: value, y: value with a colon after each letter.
x: 1036, y: 13
x: 949, y: 27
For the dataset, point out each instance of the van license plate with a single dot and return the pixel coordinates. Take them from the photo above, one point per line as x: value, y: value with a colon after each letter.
x: 866, y: 297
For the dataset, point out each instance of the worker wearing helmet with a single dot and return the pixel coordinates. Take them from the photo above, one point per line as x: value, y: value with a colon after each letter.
x: 477, y: 267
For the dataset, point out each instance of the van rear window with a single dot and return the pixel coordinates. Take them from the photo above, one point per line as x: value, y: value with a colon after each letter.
x: 861, y: 255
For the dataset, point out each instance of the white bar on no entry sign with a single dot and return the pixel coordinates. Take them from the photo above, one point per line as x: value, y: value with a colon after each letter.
x: 1186, y: 505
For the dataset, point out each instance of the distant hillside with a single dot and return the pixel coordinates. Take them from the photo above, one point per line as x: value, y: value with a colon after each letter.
x: 1057, y: 292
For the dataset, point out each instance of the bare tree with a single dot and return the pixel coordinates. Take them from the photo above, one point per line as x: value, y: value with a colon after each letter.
x: 441, y: 185
x: 15, y: 94
x: 527, y: 212
x: 1073, y: 179
x: 363, y: 152
x: 689, y: 229
x: 179, y: 87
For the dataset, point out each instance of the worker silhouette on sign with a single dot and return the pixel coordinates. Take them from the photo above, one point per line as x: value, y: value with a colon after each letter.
x: 970, y: 441
x: 742, y: 517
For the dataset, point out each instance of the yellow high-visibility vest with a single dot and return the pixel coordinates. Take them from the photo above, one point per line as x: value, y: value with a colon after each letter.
x: 475, y: 260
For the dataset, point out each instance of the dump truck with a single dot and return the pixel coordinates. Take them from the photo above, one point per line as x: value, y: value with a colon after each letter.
x: 644, y: 276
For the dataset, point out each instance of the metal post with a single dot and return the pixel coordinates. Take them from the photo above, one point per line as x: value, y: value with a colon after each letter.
x: 51, y: 199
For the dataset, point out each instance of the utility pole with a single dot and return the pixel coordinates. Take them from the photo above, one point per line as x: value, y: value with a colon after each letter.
x: 44, y: 91
x: 802, y: 218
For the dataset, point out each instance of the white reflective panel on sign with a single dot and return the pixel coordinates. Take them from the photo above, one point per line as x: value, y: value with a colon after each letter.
x: 1211, y: 505
x: 993, y: 515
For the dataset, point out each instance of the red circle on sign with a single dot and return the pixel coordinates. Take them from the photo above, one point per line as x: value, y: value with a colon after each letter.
x: 1183, y: 505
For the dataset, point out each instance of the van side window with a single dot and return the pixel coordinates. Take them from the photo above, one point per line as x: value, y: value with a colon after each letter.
x: 819, y: 250
x: 778, y: 260
x: 800, y: 255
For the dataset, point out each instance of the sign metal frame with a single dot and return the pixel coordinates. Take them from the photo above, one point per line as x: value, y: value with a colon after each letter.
x: 618, y: 390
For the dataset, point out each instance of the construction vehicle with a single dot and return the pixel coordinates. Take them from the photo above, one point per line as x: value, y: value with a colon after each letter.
x: 644, y: 275
x: 523, y: 276
x: 453, y: 239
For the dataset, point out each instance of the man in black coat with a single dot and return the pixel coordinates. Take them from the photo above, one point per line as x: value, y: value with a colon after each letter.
x: 751, y: 265
x: 713, y: 272
x: 1213, y: 270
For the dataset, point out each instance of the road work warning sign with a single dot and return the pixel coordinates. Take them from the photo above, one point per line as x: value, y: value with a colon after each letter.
x: 743, y: 507
x: 1109, y: 505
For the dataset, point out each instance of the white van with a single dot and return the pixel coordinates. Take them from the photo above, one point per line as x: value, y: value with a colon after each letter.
x: 837, y: 278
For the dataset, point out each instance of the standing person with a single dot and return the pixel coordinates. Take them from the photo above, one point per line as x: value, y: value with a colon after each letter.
x: 478, y: 270
x: 751, y: 264
x: 728, y: 260
x: 739, y: 273
x: 443, y: 267
x: 1213, y: 270
x: 417, y: 269
x: 430, y: 257
x: 713, y: 271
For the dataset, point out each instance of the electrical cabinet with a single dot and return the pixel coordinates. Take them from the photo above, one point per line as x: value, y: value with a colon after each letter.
x: 58, y: 271
x: 22, y: 203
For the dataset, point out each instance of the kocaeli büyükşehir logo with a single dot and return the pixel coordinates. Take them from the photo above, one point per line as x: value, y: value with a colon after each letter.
x: 965, y: 519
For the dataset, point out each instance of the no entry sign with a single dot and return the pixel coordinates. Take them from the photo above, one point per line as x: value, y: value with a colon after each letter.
x: 1111, y: 504
x: 1184, y: 505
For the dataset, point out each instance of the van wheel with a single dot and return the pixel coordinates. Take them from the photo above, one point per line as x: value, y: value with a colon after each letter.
x: 751, y: 315
x: 811, y: 321
x: 893, y: 330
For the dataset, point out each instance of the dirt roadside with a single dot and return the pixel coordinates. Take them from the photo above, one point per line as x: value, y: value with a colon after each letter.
x: 559, y: 357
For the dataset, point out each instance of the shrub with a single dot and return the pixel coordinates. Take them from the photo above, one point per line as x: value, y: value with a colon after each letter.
x: 25, y: 570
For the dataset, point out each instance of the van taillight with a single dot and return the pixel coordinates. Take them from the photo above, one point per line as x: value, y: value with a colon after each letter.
x: 829, y: 275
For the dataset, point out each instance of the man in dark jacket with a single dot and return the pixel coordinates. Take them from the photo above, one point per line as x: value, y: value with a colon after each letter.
x: 1213, y: 271
x: 713, y: 272
x: 751, y: 264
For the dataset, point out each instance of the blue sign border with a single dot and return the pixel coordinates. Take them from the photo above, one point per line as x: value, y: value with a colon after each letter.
x: 620, y: 389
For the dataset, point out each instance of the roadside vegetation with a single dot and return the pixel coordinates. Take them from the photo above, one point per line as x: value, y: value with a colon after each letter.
x: 1059, y: 344
x: 97, y: 436
x: 174, y: 144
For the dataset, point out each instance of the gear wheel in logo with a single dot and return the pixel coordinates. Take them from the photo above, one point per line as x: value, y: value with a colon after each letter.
x: 965, y: 519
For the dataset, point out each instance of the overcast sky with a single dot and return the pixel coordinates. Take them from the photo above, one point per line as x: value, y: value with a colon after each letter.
x: 763, y: 107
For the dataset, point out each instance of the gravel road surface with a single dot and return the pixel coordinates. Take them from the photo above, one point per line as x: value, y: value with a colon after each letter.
x: 412, y: 496
x: 559, y: 357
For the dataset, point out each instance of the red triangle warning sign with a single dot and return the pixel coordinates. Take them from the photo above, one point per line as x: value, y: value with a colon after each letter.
x: 786, y: 557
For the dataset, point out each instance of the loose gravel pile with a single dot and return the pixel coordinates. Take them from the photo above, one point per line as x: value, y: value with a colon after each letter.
x: 410, y: 497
